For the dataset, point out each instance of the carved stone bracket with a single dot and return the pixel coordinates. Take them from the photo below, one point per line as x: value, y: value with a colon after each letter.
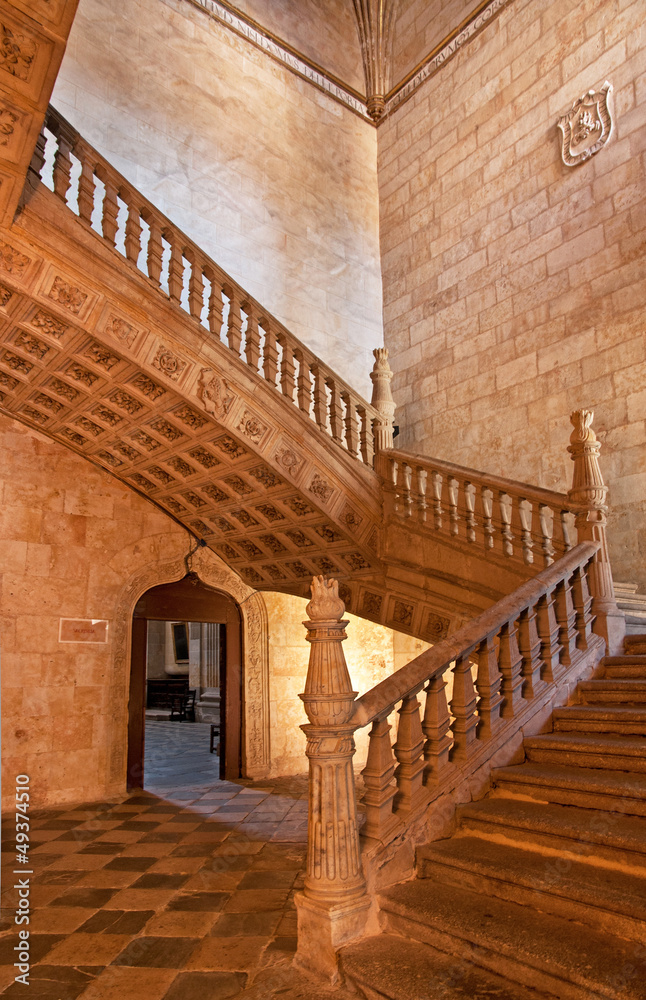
x: 374, y: 22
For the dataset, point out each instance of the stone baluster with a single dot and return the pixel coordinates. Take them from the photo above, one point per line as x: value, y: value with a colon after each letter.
x: 333, y: 906
x: 269, y: 354
x: 436, y: 480
x: 86, y: 187
x: 527, y: 543
x: 109, y: 218
x: 304, y: 383
x: 336, y: 410
x: 155, y: 251
x: 38, y: 157
x: 382, y: 400
x: 486, y: 499
x: 546, y: 517
x: 351, y: 429
x: 566, y: 530
x: 62, y: 161
x: 510, y: 662
x: 582, y: 600
x: 320, y: 397
x: 566, y: 618
x: 251, y: 338
x: 287, y: 368
x: 133, y: 228
x: 378, y: 780
x: 436, y: 727
x: 504, y: 505
x: 195, y: 285
x: 488, y: 682
x: 175, y: 268
x: 409, y: 773
x: 463, y: 708
x: 389, y: 476
x: 234, y: 321
x: 588, y: 500
x: 422, y: 505
x: 529, y: 645
x: 454, y: 516
x: 366, y: 437
x: 404, y: 483
x: 216, y: 305
x: 470, y: 505
x: 548, y: 631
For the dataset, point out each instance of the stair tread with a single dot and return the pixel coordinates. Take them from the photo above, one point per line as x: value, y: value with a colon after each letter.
x: 613, y: 684
x: 405, y: 970
x: 623, y: 658
x: 564, y: 776
x: 610, y: 743
x: 564, y: 949
x: 621, y: 892
x: 594, y: 826
x: 628, y: 712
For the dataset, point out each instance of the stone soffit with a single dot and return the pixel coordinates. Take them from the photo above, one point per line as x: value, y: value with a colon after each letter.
x: 279, y: 50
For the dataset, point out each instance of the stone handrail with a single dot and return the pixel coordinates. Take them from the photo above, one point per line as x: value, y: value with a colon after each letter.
x: 500, y: 515
x: 108, y: 204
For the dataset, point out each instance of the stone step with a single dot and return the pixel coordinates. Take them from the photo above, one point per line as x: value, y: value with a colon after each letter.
x: 635, y: 643
x: 608, y: 838
x: 605, y: 898
x: 610, y: 750
x: 391, y: 967
x: 629, y: 665
x: 631, y: 691
x: 625, y: 719
x: 617, y: 791
x: 564, y: 958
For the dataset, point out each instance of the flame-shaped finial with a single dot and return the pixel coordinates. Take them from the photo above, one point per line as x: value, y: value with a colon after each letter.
x: 326, y: 605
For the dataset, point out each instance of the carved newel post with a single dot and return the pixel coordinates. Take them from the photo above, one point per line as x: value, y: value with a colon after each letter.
x: 588, y: 499
x: 382, y: 399
x: 333, y: 907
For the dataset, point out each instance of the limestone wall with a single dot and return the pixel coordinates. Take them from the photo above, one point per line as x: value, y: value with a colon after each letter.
x: 419, y: 27
x: 513, y: 285
x: 270, y: 176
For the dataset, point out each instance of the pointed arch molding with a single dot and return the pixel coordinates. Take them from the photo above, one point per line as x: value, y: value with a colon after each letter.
x: 255, y: 657
x: 376, y: 70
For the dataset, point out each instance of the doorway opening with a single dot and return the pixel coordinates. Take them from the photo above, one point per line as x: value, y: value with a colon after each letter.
x: 186, y: 669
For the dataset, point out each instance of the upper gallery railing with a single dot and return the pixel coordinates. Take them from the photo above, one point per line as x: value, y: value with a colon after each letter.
x: 109, y: 205
x: 521, y: 522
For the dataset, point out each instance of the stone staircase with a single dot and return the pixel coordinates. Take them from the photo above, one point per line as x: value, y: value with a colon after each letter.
x: 541, y: 891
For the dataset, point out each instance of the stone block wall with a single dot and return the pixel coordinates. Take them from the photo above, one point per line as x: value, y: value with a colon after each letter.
x: 272, y: 178
x: 514, y: 286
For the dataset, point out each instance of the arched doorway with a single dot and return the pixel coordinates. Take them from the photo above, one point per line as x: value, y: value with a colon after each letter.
x: 188, y: 600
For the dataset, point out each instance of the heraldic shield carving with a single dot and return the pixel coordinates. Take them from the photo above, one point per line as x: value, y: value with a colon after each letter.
x: 586, y: 127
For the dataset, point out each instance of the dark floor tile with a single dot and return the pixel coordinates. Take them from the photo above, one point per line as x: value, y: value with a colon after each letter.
x: 58, y: 877
x: 157, y: 880
x: 191, y: 851
x: 84, y: 897
x: 142, y: 800
x: 284, y: 945
x: 39, y: 945
x: 117, y: 921
x: 138, y: 824
x: 103, y: 847
x: 199, y: 901
x: 229, y: 862
x: 134, y: 864
x: 269, y: 879
x: 157, y: 952
x: 54, y: 982
x: 80, y: 834
x: 261, y: 924
x: 206, y: 986
x: 161, y: 837
x: 59, y: 824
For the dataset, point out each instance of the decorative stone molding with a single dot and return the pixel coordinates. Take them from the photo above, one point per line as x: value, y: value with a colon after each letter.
x: 382, y: 399
x: 375, y: 22
x: 586, y: 127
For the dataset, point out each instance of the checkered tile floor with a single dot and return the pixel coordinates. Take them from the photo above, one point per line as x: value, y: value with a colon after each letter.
x: 179, y: 892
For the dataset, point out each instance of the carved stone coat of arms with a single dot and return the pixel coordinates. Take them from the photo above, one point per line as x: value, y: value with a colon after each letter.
x: 586, y: 128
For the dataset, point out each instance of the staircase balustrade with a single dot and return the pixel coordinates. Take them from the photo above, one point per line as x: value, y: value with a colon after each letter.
x: 523, y: 523
x: 107, y: 203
